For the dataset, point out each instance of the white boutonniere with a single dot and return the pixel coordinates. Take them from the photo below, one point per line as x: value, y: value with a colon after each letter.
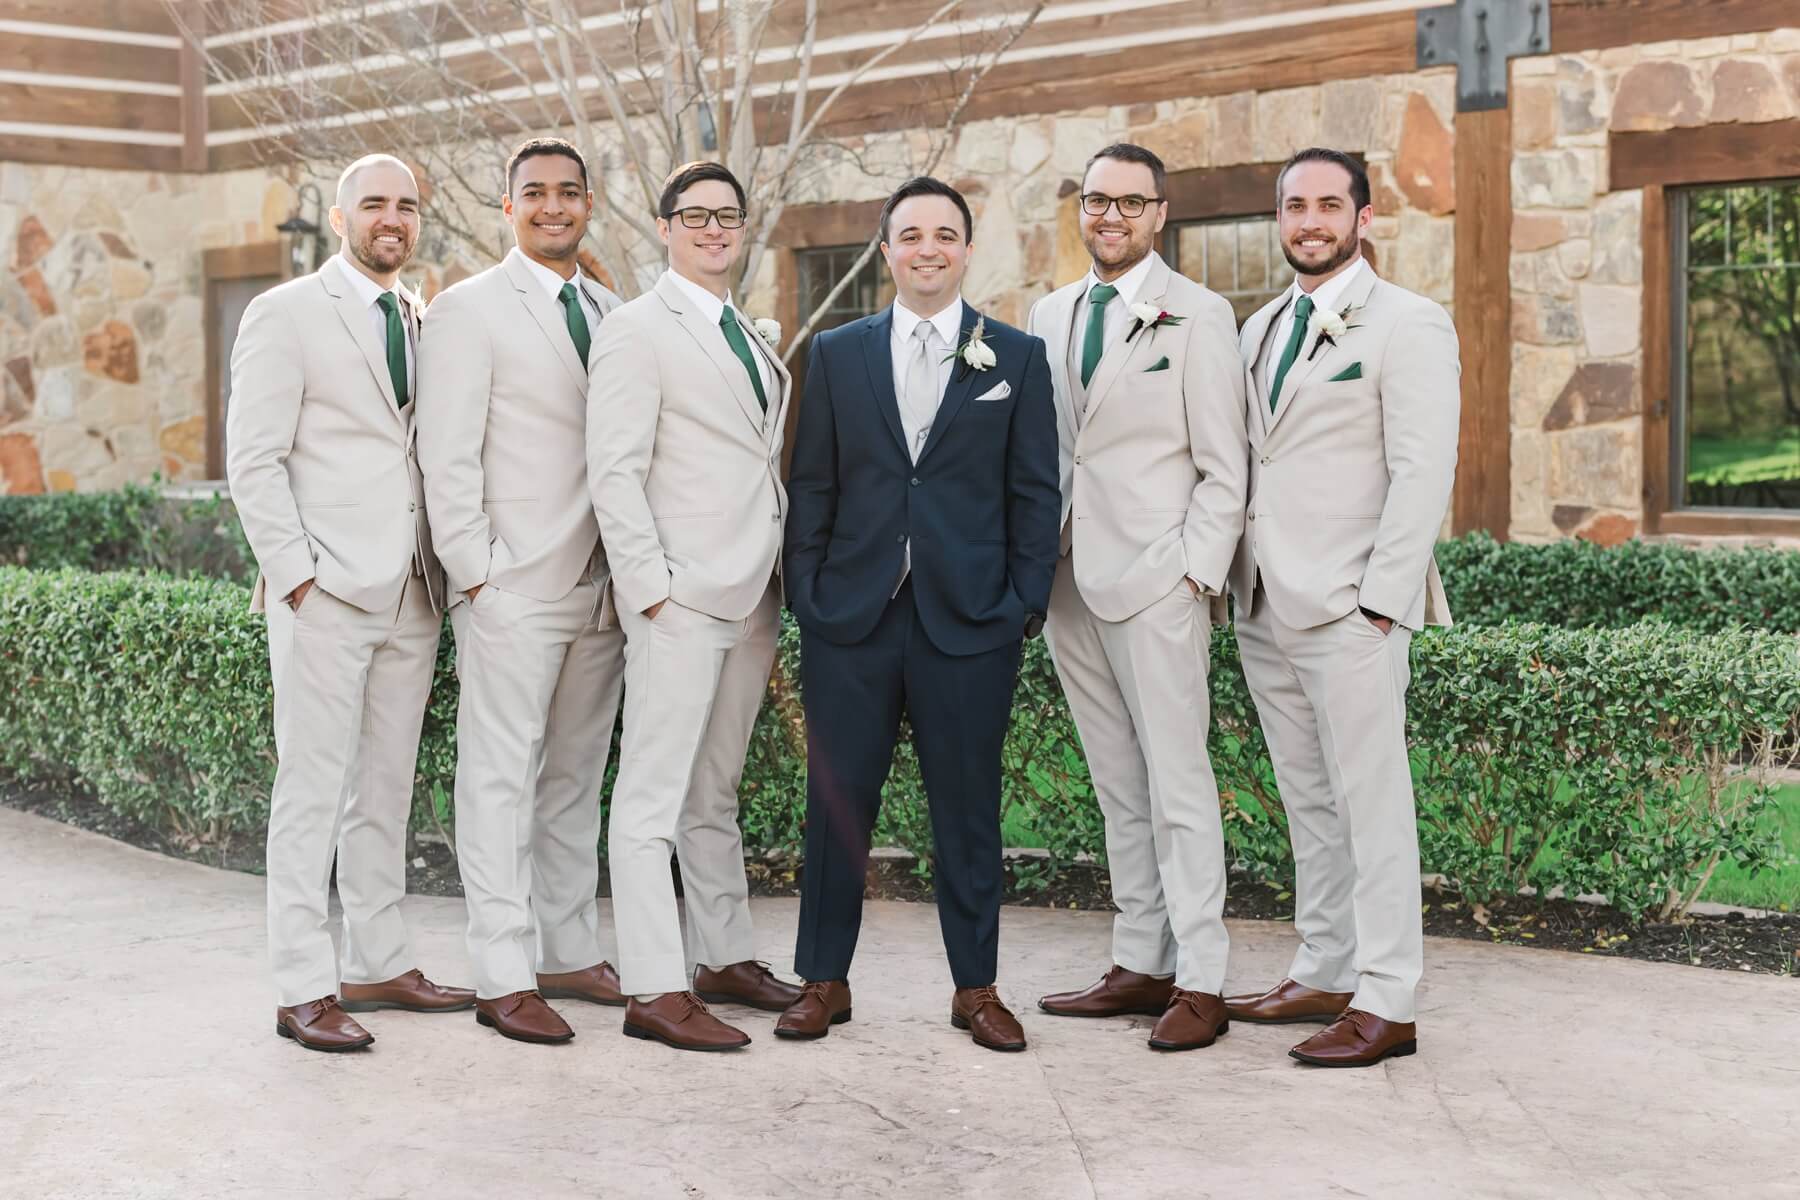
x: 975, y: 353
x: 768, y: 329
x: 1326, y: 326
x: 1145, y: 315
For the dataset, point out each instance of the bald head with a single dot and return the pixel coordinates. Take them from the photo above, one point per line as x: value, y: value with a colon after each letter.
x: 377, y: 215
x: 352, y: 178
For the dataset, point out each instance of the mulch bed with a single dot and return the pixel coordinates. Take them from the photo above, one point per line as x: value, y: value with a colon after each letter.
x: 1763, y: 945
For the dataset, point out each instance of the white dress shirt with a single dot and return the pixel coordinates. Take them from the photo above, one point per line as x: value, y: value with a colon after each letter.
x: 553, y: 285
x: 712, y: 308
x: 948, y: 324
x: 370, y: 292
x: 1325, y: 296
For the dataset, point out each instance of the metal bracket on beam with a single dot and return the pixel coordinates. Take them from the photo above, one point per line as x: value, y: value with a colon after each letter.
x: 1480, y: 37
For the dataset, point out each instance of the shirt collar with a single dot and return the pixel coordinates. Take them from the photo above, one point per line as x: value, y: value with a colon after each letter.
x: 1129, y: 284
x: 710, y: 306
x: 947, y: 322
x: 366, y: 289
x: 549, y: 280
x: 1327, y: 294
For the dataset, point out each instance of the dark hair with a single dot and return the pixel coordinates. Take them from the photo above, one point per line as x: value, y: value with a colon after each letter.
x: 687, y: 175
x: 1359, y: 178
x: 1127, y: 152
x: 543, y: 147
x: 925, y: 185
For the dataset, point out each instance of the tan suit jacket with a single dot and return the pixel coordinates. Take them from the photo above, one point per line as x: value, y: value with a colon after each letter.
x: 1350, y: 479
x: 502, y: 439
x: 1153, y: 476
x: 684, y: 465
x: 320, y: 462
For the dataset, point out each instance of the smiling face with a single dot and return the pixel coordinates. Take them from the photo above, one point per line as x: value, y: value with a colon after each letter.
x: 549, y: 205
x: 1114, y: 241
x: 1321, y: 228
x: 705, y: 255
x: 927, y: 250
x: 377, y: 219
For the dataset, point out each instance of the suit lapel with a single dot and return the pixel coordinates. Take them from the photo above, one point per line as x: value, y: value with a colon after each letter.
x: 878, y: 356
x: 783, y: 381
x: 1255, y: 339
x: 1112, y: 362
x: 1059, y: 326
x: 355, y: 316
x: 712, y: 340
x: 548, y: 315
x: 963, y: 379
x: 1314, y: 354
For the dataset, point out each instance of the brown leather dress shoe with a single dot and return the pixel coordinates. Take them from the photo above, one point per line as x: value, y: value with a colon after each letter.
x: 1193, y: 1021
x: 821, y: 1005
x: 322, y: 1024
x: 411, y: 992
x: 1358, y: 1039
x: 1119, y: 993
x: 1288, y: 1003
x: 986, y: 1017
x: 523, y: 1017
x: 681, y: 1020
x: 598, y: 984
x: 750, y: 983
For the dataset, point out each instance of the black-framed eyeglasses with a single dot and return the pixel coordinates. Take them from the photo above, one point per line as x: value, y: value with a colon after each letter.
x: 1095, y: 204
x: 696, y: 217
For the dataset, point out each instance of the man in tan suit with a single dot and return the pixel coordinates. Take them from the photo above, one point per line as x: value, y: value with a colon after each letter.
x: 1150, y: 418
x: 1353, y: 425
x: 684, y: 460
x: 539, y: 655
x: 320, y: 458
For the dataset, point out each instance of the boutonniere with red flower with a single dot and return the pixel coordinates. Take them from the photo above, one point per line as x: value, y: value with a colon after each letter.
x: 1150, y: 316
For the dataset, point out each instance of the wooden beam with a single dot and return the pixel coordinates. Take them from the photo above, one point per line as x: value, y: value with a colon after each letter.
x: 74, y: 152
x: 1655, y: 381
x: 116, y: 16
x: 1483, y: 298
x: 193, y: 91
x: 1214, y: 193
x: 43, y: 105
x: 1725, y: 153
x: 1577, y: 25
x: 76, y: 56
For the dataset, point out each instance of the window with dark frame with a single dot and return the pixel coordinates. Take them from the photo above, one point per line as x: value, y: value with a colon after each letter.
x: 1735, y: 347
x: 1238, y: 257
x: 820, y: 267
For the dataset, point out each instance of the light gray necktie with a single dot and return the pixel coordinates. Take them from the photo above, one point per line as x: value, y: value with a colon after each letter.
x: 921, y: 397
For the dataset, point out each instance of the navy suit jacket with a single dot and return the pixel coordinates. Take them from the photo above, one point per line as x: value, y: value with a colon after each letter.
x: 981, y: 505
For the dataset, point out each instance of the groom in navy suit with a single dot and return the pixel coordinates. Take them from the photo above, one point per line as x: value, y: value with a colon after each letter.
x: 921, y: 542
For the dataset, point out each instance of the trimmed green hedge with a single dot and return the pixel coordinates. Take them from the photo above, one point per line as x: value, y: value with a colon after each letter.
x: 135, y: 527
x: 1609, y: 749
x: 1579, y: 584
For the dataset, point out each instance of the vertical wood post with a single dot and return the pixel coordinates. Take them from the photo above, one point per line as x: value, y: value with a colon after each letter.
x: 1483, y: 301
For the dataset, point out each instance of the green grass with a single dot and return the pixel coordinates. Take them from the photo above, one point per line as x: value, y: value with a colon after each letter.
x: 1778, y: 887
x: 1743, y: 460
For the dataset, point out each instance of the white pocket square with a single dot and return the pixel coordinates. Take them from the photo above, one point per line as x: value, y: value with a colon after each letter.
x: 999, y: 391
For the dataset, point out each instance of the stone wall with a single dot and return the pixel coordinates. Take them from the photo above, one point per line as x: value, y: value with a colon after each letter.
x: 102, y: 346
x: 1019, y: 174
x: 1577, y: 262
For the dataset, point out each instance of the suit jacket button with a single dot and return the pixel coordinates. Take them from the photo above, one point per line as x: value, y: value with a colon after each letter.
x: 412, y: 508
x: 915, y: 481
x: 900, y: 537
x: 1265, y: 460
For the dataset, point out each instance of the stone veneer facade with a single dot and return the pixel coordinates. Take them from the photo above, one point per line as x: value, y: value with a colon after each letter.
x: 1577, y: 260
x: 101, y: 296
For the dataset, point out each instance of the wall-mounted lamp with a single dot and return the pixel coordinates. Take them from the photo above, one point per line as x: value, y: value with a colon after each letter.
x: 305, y: 238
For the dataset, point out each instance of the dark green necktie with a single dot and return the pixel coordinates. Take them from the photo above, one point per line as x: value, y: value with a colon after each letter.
x: 1093, y: 343
x: 578, y: 329
x: 1302, y: 314
x: 734, y: 336
x: 396, y: 345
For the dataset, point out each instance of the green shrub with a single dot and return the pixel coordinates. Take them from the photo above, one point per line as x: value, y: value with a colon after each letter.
x: 1598, y: 760
x: 135, y: 527
x: 1579, y: 584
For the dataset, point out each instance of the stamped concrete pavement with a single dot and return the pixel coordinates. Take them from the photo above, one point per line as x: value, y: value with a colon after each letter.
x: 138, y: 1059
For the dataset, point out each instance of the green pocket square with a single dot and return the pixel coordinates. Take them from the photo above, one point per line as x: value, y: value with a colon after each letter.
x: 1161, y: 364
x: 1353, y: 371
